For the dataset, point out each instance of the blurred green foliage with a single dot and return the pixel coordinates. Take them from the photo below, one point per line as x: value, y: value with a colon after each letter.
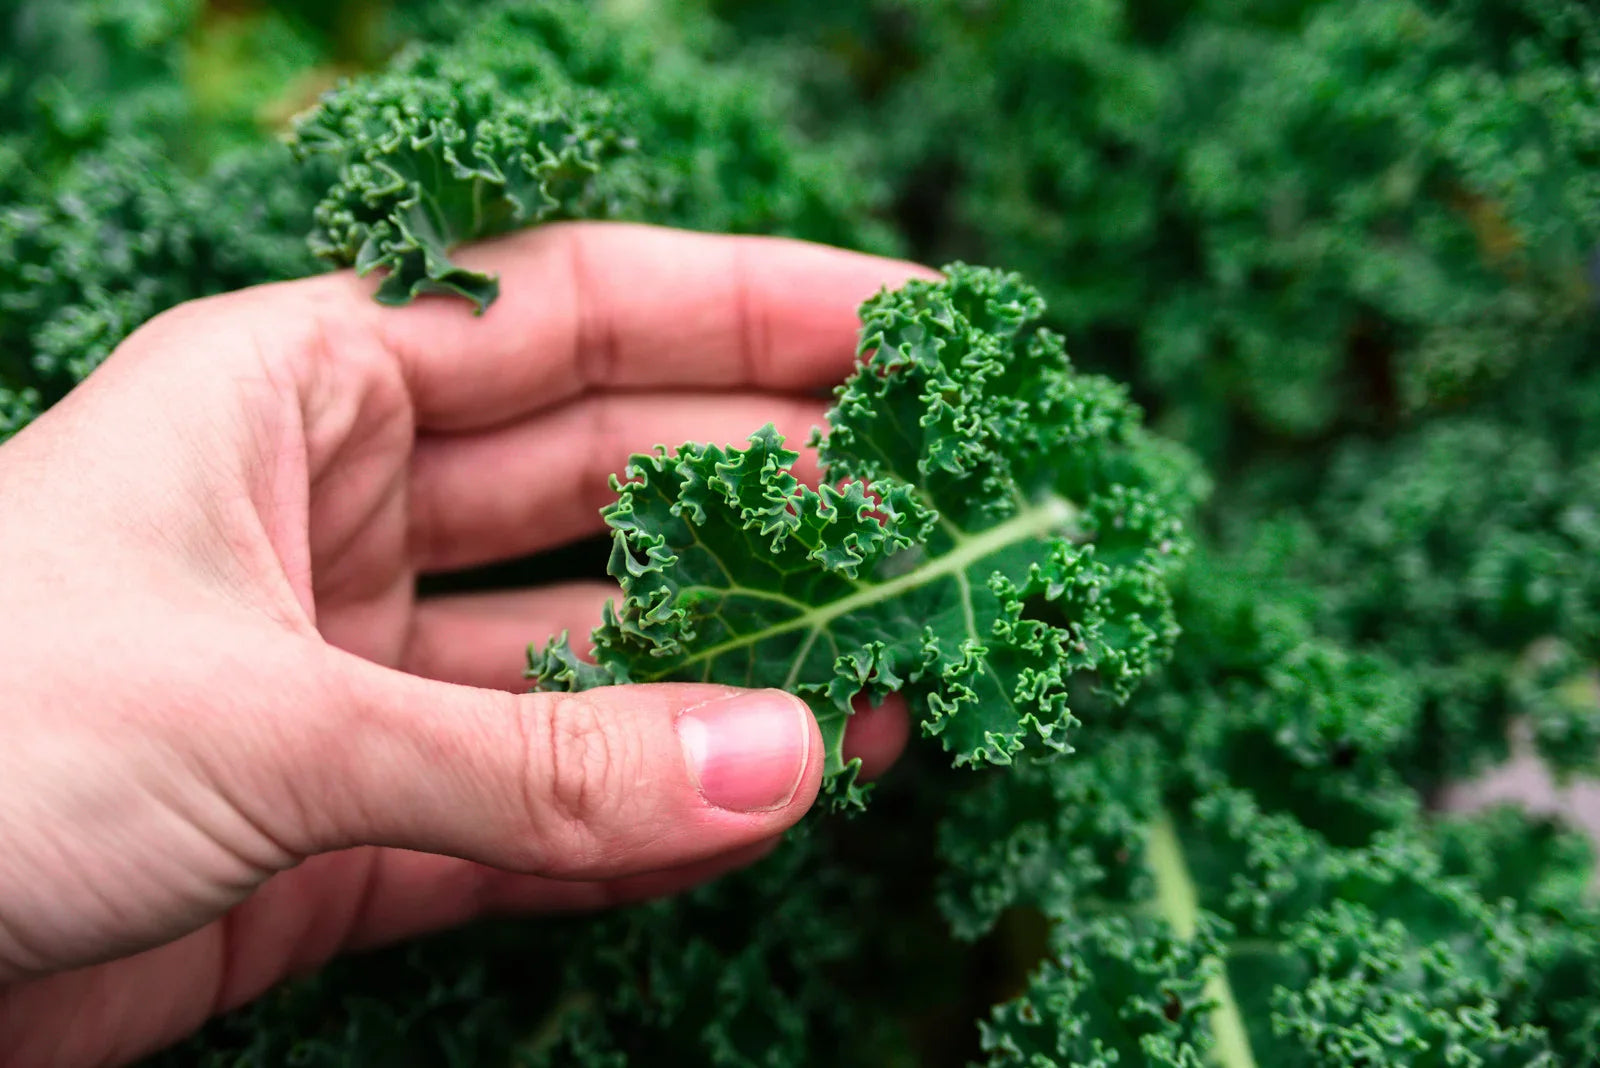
x: 1343, y: 249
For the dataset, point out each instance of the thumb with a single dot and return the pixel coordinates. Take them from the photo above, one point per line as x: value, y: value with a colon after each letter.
x: 590, y: 785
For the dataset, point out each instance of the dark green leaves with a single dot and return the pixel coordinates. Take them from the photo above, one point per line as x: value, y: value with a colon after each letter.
x: 426, y: 163
x: 1048, y: 836
x: 1285, y: 221
x: 993, y: 525
x: 17, y: 409
x: 1118, y: 991
x: 527, y: 111
x: 122, y: 237
x: 1380, y: 995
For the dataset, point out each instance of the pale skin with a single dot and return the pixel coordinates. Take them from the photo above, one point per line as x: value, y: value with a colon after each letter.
x: 236, y: 744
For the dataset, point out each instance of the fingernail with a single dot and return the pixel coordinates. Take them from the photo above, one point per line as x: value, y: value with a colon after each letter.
x: 747, y: 753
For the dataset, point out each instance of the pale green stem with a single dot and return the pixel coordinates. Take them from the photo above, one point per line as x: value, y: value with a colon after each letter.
x: 1179, y: 905
x: 1047, y: 517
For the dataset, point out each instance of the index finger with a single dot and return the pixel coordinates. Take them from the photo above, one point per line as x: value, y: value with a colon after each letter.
x: 594, y: 306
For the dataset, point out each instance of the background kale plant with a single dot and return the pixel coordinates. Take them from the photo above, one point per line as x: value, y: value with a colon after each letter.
x: 1341, y: 251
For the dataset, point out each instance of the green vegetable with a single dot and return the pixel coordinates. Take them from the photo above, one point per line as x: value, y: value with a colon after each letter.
x: 1343, y: 251
x: 427, y: 164
x: 991, y: 525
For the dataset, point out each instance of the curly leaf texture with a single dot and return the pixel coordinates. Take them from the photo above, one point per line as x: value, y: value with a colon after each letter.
x: 429, y: 162
x: 992, y: 528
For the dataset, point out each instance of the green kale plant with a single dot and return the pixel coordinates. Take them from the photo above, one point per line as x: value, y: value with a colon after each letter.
x: 495, y: 116
x: 427, y: 164
x: 991, y: 526
x: 1185, y: 731
x: 1284, y: 219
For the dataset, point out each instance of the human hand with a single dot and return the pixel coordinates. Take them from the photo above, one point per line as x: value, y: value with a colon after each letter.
x: 236, y: 744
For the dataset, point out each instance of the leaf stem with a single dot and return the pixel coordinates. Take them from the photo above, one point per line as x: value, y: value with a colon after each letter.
x: 1179, y: 904
x: 1049, y: 515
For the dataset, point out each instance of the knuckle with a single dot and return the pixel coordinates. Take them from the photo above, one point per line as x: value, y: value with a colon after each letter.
x: 169, y: 333
x: 191, y: 315
x: 577, y: 773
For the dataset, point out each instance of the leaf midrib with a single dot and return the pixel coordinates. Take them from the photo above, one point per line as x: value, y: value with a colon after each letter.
x: 1048, y: 514
x: 1178, y: 902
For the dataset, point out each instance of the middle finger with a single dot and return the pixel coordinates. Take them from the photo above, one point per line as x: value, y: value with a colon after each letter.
x: 540, y: 483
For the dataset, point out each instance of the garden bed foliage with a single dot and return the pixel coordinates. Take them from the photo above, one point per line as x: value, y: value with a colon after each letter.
x: 1195, y: 624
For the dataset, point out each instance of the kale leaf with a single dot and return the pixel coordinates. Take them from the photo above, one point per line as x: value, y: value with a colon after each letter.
x: 428, y: 163
x: 992, y: 526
